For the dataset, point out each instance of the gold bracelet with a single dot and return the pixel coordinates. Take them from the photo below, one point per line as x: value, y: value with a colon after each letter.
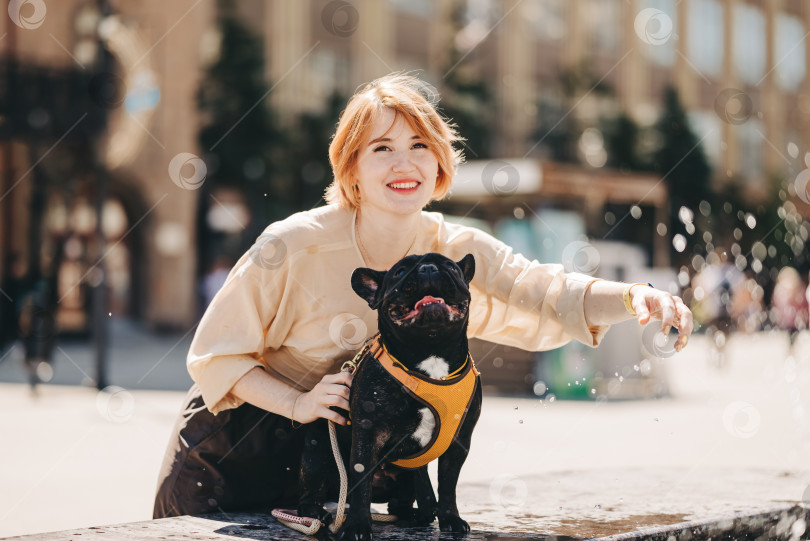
x: 292, y: 413
x: 626, y: 297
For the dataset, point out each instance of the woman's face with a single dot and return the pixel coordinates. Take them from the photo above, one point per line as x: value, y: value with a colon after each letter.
x: 396, y: 171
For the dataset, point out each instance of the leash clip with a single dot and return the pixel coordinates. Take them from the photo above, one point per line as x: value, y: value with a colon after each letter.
x: 350, y: 366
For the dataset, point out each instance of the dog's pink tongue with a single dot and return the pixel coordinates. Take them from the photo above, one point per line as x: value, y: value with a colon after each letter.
x: 427, y: 300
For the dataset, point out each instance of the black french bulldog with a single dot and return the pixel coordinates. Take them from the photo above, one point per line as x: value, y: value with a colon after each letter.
x: 422, y: 305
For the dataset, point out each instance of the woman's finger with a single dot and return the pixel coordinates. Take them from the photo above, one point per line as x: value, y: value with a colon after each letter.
x: 685, y: 324
x: 639, y: 303
x: 667, y: 313
x: 332, y: 415
x: 335, y: 400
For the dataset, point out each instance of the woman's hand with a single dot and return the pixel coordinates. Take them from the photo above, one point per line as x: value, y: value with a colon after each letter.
x: 653, y: 303
x: 332, y: 390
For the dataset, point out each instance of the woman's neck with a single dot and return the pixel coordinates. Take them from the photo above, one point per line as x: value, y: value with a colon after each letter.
x: 385, y: 238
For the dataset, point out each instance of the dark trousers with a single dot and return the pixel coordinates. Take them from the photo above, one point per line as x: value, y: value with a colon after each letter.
x: 241, y: 459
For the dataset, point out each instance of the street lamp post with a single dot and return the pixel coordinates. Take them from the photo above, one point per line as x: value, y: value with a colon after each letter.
x: 99, y: 282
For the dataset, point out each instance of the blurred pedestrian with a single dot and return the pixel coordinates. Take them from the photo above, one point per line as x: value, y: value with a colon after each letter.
x: 11, y: 292
x: 789, y: 303
x: 265, y: 352
x: 215, y: 278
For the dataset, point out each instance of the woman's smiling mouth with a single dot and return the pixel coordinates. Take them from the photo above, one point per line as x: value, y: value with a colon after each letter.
x: 404, y: 185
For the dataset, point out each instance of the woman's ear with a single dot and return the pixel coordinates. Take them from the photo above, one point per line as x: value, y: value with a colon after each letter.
x: 366, y: 283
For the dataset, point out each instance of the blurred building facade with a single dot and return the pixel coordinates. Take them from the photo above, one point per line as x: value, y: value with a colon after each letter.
x: 739, y: 65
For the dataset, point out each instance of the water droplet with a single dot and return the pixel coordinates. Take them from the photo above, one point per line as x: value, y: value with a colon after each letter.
x: 679, y: 242
x: 520, y: 421
x: 793, y: 150
x: 685, y: 215
x: 750, y: 221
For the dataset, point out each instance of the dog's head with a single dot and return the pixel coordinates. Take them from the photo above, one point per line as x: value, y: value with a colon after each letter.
x: 421, y: 296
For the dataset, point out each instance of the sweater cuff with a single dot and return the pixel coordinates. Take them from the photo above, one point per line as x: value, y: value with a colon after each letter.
x: 217, y: 376
x: 571, y: 310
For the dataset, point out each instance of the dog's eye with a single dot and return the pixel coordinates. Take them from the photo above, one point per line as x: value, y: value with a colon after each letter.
x: 399, y: 273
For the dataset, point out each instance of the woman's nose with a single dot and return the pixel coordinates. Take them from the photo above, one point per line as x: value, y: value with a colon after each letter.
x: 402, y: 162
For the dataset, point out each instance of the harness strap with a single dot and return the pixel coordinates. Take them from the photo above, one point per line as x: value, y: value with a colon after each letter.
x: 448, y: 399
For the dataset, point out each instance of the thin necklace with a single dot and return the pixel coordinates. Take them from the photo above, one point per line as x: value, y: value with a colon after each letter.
x: 363, y: 251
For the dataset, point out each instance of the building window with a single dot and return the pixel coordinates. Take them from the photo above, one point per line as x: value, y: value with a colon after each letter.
x: 602, y: 23
x: 790, y: 51
x: 657, y: 29
x: 749, y: 43
x: 706, y: 35
x: 423, y: 8
x: 750, y: 144
x: 707, y: 128
x: 546, y: 19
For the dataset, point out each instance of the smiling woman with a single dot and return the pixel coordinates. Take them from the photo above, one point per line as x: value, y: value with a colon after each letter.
x: 268, y: 349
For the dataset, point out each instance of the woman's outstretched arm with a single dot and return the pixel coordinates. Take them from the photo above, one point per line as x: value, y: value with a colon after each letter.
x: 604, y: 305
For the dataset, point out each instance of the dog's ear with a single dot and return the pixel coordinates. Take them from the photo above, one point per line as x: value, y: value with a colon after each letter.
x: 467, y: 265
x: 366, y: 283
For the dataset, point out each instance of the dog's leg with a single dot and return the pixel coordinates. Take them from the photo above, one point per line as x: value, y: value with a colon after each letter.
x: 425, y: 497
x: 450, y: 464
x: 362, y: 463
x: 413, y: 485
x: 317, y: 474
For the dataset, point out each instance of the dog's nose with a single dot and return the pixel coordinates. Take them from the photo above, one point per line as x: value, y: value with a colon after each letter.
x: 428, y: 268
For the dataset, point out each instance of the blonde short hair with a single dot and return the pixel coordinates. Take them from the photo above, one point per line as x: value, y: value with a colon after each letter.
x: 408, y: 96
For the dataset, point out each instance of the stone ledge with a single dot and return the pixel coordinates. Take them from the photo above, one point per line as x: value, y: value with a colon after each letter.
x: 788, y: 522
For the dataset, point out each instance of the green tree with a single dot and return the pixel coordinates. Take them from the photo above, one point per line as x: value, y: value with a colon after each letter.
x: 622, y: 144
x: 242, y: 146
x: 683, y: 165
x: 466, y: 99
x: 311, y: 171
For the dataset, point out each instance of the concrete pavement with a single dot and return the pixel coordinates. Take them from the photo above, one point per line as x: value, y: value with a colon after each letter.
x: 731, y: 439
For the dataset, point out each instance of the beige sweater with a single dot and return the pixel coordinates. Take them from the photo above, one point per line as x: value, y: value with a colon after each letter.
x: 288, y: 305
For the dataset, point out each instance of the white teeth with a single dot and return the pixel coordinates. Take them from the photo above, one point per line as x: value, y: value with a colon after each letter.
x: 404, y: 185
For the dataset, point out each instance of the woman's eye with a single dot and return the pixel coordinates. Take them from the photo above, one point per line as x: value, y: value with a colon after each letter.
x: 420, y: 145
x: 383, y: 147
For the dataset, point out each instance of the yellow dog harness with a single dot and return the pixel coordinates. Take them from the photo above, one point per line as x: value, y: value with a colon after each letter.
x: 448, y: 400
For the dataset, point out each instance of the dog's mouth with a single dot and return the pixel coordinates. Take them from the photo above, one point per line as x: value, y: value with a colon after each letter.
x: 404, y: 314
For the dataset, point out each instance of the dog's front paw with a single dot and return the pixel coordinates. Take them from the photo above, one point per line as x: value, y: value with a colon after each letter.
x: 453, y: 523
x: 355, y: 531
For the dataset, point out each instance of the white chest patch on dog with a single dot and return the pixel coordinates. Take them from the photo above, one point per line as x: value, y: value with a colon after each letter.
x: 424, y: 431
x: 434, y: 367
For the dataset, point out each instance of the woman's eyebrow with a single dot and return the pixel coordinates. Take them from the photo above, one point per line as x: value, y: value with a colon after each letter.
x: 386, y: 139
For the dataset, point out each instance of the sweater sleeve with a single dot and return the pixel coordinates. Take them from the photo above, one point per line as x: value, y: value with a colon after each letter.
x: 233, y: 332
x: 517, y: 302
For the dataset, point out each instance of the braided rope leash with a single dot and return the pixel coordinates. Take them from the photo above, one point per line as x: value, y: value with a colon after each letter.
x: 308, y: 525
